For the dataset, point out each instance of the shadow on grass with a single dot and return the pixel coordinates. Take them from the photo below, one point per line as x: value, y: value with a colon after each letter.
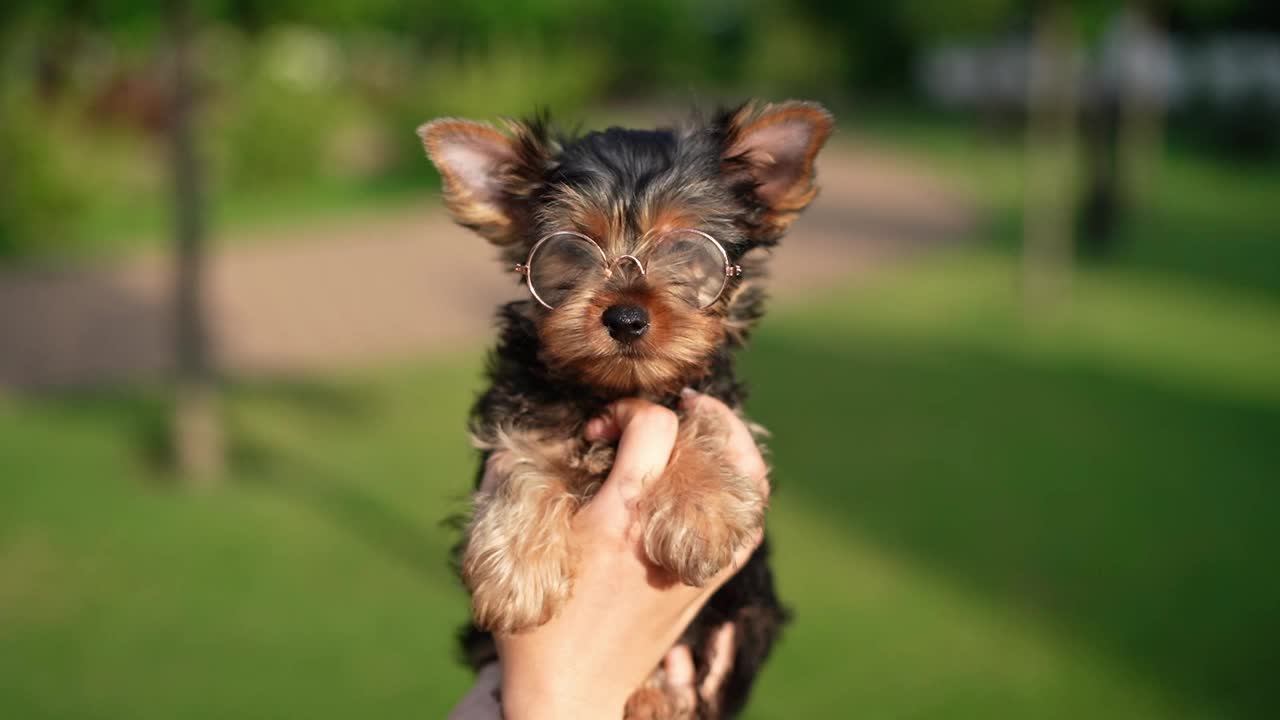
x: 1229, y: 253
x: 278, y: 444
x: 1137, y: 517
x: 289, y: 438
x: 362, y: 514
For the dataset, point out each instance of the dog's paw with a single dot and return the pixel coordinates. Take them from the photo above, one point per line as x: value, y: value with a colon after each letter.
x: 512, y: 592
x: 519, y: 570
x: 698, y: 516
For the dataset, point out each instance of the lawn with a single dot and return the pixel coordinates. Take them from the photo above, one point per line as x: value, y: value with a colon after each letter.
x: 314, y: 585
x: 1026, y: 520
x: 980, y: 515
x: 982, y: 512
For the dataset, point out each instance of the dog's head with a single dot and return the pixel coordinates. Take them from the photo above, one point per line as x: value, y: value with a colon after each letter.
x: 634, y: 242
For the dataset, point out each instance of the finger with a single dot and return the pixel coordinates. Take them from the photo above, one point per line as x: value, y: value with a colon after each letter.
x: 720, y: 652
x: 740, y: 445
x: 602, y: 429
x: 648, y: 436
x: 678, y: 666
x: 680, y: 675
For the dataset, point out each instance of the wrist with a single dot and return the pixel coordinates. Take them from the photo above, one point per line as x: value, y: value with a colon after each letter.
x: 539, y: 696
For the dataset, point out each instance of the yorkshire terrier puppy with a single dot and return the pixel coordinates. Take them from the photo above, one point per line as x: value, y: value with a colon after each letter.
x: 643, y: 252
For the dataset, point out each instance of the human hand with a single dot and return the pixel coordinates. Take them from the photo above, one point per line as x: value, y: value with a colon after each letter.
x: 483, y: 701
x: 625, y: 614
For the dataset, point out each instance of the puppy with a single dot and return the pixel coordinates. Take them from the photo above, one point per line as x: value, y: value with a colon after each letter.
x: 643, y: 252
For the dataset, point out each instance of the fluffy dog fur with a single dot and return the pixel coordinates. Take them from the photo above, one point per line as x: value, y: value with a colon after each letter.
x: 741, y: 176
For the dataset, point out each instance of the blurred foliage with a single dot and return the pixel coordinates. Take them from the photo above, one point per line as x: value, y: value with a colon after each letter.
x: 949, y: 20
x: 35, y: 192
x: 277, y: 126
x: 300, y: 97
x: 39, y: 194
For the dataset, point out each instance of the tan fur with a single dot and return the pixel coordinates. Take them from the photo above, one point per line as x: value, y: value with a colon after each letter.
x: 702, y: 511
x: 518, y: 564
x: 511, y: 163
x: 788, y: 194
x: 469, y: 206
x: 672, y: 354
x: 518, y: 559
x: 680, y: 338
x: 659, y: 209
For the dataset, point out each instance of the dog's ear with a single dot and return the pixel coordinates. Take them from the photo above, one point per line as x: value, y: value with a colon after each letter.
x: 768, y: 151
x: 489, y: 177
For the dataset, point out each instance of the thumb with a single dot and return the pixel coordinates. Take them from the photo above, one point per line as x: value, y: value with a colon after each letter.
x: 648, y: 435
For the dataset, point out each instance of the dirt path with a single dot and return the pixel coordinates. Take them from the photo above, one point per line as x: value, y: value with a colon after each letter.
x: 314, y: 297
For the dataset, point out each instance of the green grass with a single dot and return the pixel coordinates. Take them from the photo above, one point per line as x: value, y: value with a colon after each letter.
x: 1083, y: 503
x: 316, y: 585
x: 980, y: 515
x: 982, y: 512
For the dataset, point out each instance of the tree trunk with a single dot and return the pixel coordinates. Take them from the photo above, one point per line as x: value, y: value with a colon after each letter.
x: 197, y: 438
x: 1125, y: 128
x: 1141, y: 112
x: 1052, y: 143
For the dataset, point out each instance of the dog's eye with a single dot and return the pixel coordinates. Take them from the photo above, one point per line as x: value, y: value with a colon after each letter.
x: 560, y: 264
x: 691, y: 264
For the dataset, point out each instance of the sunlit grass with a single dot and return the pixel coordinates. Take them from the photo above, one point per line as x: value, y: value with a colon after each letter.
x: 1096, y: 479
x: 979, y: 514
x: 1162, y: 328
x: 879, y: 637
x: 317, y: 583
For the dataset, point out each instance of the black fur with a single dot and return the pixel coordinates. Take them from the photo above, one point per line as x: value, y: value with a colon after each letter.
x: 524, y: 391
x: 623, y: 167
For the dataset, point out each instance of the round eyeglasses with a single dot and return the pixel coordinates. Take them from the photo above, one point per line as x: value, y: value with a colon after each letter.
x: 689, y: 264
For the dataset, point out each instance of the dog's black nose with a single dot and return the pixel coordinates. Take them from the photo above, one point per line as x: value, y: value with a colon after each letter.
x: 626, y: 322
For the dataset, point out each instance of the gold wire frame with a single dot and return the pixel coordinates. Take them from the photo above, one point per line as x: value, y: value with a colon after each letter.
x: 524, y: 268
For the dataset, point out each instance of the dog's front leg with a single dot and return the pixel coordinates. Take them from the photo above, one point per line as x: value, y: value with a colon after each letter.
x: 518, y: 561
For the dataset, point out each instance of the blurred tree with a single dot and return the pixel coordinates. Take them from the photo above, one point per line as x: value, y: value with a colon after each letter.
x: 1124, y: 123
x: 197, y: 437
x: 39, y: 194
x: 934, y: 22
x: 1111, y: 119
x: 1052, y: 140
